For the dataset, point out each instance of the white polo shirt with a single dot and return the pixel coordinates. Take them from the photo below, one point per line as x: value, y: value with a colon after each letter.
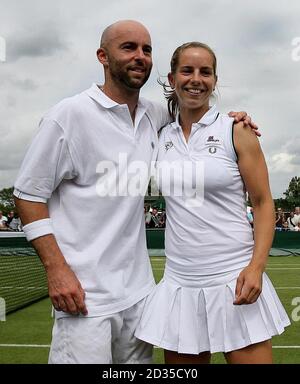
x: 209, y: 234
x: 81, y: 141
x: 296, y: 219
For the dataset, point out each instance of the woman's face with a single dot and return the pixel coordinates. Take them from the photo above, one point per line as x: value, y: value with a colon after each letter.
x: 194, y: 79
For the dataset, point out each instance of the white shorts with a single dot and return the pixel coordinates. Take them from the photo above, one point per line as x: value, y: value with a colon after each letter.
x: 105, y: 339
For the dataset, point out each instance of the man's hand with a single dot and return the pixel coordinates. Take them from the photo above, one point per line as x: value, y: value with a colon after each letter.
x: 65, y: 290
x: 242, y: 116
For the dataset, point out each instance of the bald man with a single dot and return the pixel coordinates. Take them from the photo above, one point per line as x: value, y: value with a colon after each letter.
x: 80, y: 195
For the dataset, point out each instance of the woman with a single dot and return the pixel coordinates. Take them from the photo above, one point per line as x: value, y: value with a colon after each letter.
x: 214, y: 296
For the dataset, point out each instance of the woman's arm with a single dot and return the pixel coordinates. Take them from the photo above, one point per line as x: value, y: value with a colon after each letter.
x: 254, y: 172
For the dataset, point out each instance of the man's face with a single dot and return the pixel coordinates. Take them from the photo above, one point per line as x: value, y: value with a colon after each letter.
x: 129, y: 57
x: 297, y: 210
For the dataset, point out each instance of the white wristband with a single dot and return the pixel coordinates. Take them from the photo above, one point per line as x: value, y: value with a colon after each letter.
x: 37, y: 229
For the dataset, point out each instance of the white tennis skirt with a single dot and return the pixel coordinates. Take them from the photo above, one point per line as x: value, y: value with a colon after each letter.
x: 191, y: 320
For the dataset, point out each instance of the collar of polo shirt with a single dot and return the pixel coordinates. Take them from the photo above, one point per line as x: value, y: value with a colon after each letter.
x: 96, y: 93
x: 210, y: 117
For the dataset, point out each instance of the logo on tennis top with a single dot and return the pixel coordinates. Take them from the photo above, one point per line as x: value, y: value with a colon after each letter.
x: 213, y: 143
x: 211, y: 139
x: 168, y: 145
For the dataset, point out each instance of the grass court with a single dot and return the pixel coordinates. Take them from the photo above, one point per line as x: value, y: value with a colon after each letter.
x: 26, y: 334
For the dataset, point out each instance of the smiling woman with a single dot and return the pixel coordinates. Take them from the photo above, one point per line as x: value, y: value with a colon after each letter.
x: 215, y: 295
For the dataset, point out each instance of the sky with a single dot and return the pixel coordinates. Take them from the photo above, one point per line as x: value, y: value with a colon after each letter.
x: 47, y: 53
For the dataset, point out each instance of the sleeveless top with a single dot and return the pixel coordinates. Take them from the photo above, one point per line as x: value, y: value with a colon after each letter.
x: 207, y: 231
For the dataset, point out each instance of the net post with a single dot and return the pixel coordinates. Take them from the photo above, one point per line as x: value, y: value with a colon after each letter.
x: 2, y: 309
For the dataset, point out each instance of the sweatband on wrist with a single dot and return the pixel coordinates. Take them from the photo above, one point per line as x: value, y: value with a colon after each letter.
x: 37, y: 229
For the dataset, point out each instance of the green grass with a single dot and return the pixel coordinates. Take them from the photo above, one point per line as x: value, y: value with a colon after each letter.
x: 32, y: 325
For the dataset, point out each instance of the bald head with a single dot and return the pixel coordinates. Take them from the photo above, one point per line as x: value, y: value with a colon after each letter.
x: 126, y: 55
x: 119, y: 28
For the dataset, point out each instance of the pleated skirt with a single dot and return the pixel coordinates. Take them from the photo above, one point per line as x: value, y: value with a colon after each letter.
x: 196, y: 319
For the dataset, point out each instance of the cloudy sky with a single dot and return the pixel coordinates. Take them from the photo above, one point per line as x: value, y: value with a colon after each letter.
x: 50, y: 54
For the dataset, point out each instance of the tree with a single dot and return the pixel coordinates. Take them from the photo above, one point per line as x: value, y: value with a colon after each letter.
x: 6, y: 200
x: 284, y: 204
x: 292, y: 194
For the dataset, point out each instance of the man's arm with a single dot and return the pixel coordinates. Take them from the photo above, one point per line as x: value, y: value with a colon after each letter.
x: 163, y: 118
x: 65, y: 290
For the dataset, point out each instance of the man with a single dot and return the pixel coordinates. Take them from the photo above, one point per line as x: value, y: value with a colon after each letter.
x: 154, y: 222
x: 291, y: 223
x: 3, y: 221
x: 97, y: 267
x: 148, y: 215
x: 280, y: 219
x: 297, y: 215
x: 10, y: 216
x: 15, y: 224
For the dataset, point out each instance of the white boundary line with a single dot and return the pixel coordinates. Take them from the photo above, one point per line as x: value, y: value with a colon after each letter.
x: 9, y: 234
x: 281, y: 269
x: 14, y: 287
x: 285, y: 264
x: 157, y: 269
x: 268, y: 269
x: 45, y: 288
x: 26, y: 345
x: 285, y: 346
x: 48, y: 346
x: 287, y: 287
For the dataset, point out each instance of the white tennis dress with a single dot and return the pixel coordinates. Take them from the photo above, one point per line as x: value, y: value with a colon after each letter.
x: 208, y: 241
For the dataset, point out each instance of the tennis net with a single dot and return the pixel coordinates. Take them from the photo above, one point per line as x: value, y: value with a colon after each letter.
x: 22, y: 276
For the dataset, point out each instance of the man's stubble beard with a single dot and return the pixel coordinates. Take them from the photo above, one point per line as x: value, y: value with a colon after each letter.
x: 119, y: 75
